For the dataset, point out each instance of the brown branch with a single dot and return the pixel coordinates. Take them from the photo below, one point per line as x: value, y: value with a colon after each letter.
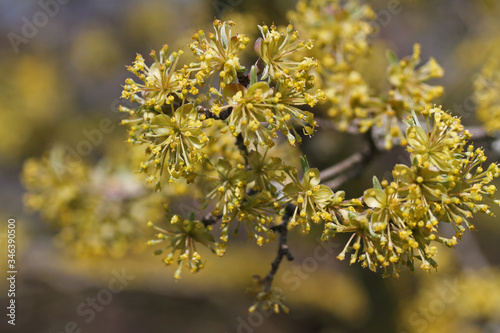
x: 210, y: 219
x: 352, y: 166
x: 479, y: 133
x: 283, y: 251
x: 335, y: 183
x: 223, y: 115
x: 240, y: 143
x: 342, y: 166
x: 330, y: 124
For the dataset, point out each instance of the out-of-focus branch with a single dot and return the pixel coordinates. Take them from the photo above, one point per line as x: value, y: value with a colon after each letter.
x: 479, y: 133
x: 342, y: 166
x: 329, y: 124
x: 352, y: 166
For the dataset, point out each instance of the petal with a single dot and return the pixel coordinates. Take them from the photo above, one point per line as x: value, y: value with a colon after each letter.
x: 311, y: 178
x: 231, y: 89
x: 256, y: 86
x: 161, y: 120
x: 224, y: 166
x: 375, y: 198
x: 417, y: 137
x: 323, y: 193
x: 291, y: 188
x: 403, y: 174
x: 434, y: 192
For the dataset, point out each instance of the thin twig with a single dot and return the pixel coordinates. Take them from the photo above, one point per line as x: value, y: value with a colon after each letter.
x: 352, y: 166
x: 342, y: 166
x: 240, y: 143
x: 336, y: 182
x: 210, y: 219
x: 327, y: 123
x: 223, y: 115
x: 479, y: 133
x: 283, y: 251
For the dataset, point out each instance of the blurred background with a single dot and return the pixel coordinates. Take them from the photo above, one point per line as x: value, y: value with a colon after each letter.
x: 63, y: 64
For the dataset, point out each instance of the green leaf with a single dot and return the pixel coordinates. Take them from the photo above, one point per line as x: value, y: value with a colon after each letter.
x: 435, y: 192
x: 265, y: 73
x: 253, y: 75
x: 195, y: 142
x: 414, y: 161
x: 427, y: 173
x: 417, y: 137
x: 201, y: 235
x: 304, y: 163
x: 415, y: 118
x: 461, y: 186
x: 183, y: 111
x: 263, y: 86
x: 223, y: 166
x: 311, y: 178
x: 374, y: 198
x: 261, y: 30
x: 231, y: 89
x: 154, y: 69
x: 393, y: 59
x: 223, y: 36
x: 257, y: 46
x: 376, y: 183
x: 255, y: 160
x: 162, y: 120
x: 403, y: 174
x: 291, y: 188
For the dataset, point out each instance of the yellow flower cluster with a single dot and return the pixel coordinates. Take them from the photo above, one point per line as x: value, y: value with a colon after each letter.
x: 267, y: 298
x: 180, y: 237
x: 174, y: 124
x: 408, y: 81
x: 486, y: 93
x: 445, y: 183
x: 394, y: 224
x: 174, y: 143
x: 163, y: 82
x: 276, y: 50
x: 409, y: 92
x: 233, y: 201
x: 97, y: 210
x: 259, y: 104
x: 466, y: 301
x: 341, y: 31
x: 311, y: 199
x: 218, y: 54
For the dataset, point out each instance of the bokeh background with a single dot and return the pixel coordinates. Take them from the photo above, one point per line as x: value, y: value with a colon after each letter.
x: 63, y: 79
